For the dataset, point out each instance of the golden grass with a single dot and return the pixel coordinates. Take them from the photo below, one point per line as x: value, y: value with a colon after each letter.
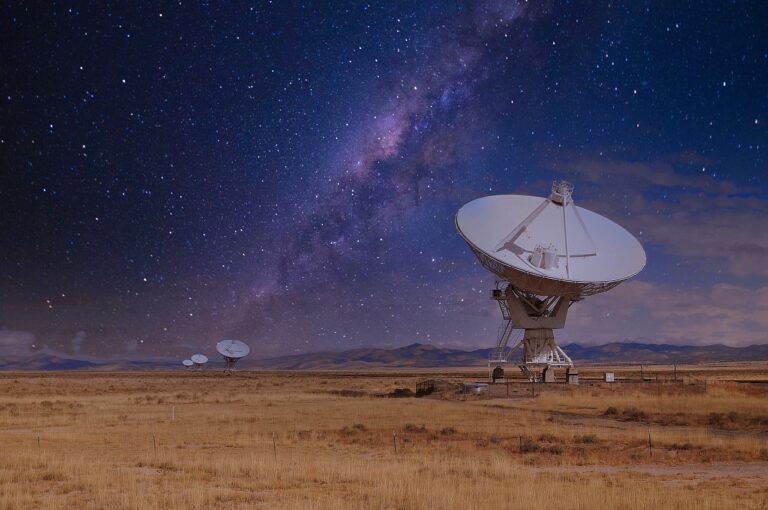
x: 332, y: 451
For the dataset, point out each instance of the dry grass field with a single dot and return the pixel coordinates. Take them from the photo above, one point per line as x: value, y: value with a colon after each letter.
x: 326, y: 440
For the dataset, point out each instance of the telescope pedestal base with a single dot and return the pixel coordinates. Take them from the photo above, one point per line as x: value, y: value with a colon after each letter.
x: 540, y: 348
x: 230, y: 362
x: 542, y: 355
x: 537, y: 316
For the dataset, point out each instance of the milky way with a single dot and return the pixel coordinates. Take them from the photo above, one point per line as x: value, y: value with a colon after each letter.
x: 288, y: 175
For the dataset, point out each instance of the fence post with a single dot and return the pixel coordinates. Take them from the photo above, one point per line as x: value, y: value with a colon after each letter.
x: 650, y: 451
x: 274, y: 445
x: 394, y: 441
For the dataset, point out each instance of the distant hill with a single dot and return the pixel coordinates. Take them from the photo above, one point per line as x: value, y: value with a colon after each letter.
x: 58, y: 362
x: 412, y: 356
x: 426, y: 356
x: 631, y: 352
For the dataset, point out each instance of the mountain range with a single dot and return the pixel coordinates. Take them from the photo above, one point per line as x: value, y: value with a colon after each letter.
x: 413, y: 356
x: 42, y: 361
x: 425, y: 356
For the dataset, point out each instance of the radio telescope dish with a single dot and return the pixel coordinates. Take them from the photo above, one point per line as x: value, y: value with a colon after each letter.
x: 547, y: 253
x: 187, y: 363
x: 232, y: 350
x: 199, y: 360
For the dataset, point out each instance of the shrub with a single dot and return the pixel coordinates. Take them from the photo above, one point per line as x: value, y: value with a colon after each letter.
x: 528, y: 445
x: 715, y: 420
x: 634, y: 414
x: 50, y: 476
x: 531, y: 461
x: 356, y: 427
x: 586, y: 439
x: 447, y: 431
x: 611, y: 411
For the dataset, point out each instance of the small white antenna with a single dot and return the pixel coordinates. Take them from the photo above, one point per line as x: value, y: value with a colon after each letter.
x: 199, y: 360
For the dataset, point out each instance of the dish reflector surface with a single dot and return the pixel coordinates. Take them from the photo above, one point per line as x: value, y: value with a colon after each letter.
x: 188, y: 362
x: 199, y: 359
x: 232, y: 349
x: 509, y: 234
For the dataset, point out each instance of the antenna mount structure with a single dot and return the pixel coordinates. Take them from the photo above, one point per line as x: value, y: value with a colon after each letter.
x: 536, y: 316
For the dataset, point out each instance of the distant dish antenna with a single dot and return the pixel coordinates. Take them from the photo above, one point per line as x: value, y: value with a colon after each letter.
x: 187, y: 363
x: 547, y: 254
x: 199, y: 360
x: 232, y: 350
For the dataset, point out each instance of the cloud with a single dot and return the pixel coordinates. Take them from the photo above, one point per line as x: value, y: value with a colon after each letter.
x: 131, y: 346
x: 639, y: 310
x: 77, y: 341
x: 722, y: 228
x: 660, y: 172
x: 16, y: 343
x: 685, y: 214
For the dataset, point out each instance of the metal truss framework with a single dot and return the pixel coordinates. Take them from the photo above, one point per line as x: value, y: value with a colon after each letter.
x: 537, y: 316
x: 576, y: 290
x: 230, y: 362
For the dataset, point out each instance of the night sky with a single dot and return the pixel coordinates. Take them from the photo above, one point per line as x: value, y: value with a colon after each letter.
x: 288, y: 173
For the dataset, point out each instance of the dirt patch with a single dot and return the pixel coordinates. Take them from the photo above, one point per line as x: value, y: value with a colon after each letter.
x: 141, y: 470
x: 752, y: 472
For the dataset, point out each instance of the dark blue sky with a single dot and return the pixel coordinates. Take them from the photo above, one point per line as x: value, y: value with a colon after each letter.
x: 288, y: 173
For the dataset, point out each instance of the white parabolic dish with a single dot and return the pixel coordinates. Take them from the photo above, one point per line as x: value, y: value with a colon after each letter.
x: 232, y: 349
x: 188, y: 362
x: 199, y: 359
x: 593, y: 253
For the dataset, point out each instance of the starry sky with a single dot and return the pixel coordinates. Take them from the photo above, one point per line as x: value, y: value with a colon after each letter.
x: 288, y: 173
